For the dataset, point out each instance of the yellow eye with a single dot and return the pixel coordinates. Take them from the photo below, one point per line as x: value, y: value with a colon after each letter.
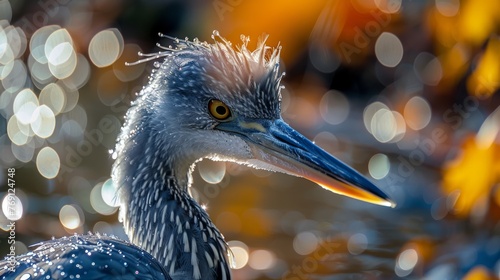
x: 218, y: 109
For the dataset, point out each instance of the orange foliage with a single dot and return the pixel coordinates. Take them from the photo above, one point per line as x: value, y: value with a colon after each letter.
x: 478, y: 273
x: 486, y: 78
x: 472, y: 174
x: 348, y: 27
x: 461, y: 35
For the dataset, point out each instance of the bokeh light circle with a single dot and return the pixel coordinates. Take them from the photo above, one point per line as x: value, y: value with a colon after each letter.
x: 16, y: 132
x: 57, y: 46
x: 48, y: 162
x: 357, y: 243
x: 71, y: 216
x: 12, y: 207
x: 6, y: 54
x: 5, y: 10
x: 389, y: 6
x: 40, y: 72
x: 378, y: 166
x: 261, y: 260
x: 98, y: 203
x: 334, y: 107
x: 16, y: 42
x: 62, y: 62
x: 387, y: 126
x: 24, y: 105
x: 60, y: 53
x: 417, y: 113
x: 106, y: 47
x: 43, y: 121
x: 370, y: 111
x: 14, y: 75
x: 406, y: 262
x: 239, y: 251
x: 52, y: 95
x: 388, y: 49
x: 109, y: 194
x: 305, y: 243
x: 383, y: 125
x: 38, y: 41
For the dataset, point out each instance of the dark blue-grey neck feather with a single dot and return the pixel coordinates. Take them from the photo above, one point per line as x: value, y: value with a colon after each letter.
x: 165, y: 134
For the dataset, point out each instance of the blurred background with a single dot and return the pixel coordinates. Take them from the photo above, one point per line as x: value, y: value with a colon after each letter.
x: 404, y: 91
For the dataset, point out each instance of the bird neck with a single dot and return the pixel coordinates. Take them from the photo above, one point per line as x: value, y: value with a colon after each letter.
x: 163, y: 219
x: 166, y: 222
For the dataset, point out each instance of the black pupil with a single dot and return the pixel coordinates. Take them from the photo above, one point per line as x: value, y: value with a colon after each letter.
x: 221, y: 110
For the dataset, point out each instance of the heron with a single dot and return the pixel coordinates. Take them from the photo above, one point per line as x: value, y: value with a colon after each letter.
x: 204, y: 100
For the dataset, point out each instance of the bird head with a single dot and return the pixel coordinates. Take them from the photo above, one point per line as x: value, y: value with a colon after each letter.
x: 223, y: 103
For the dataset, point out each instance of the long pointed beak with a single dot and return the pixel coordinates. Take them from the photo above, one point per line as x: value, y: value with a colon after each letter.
x: 278, y: 147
